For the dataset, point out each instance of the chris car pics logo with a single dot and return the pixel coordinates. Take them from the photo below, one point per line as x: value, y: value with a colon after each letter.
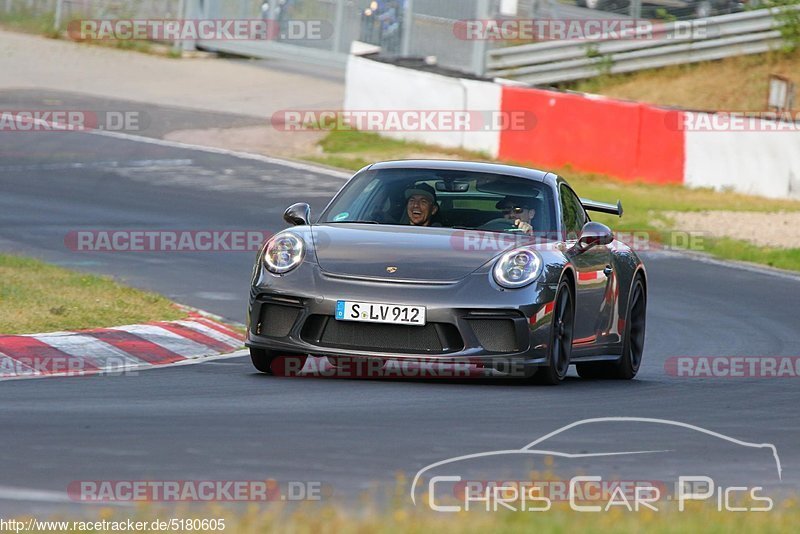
x: 446, y: 488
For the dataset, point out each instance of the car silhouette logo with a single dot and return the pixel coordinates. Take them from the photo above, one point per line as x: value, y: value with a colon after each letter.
x: 391, y: 269
x: 533, y: 448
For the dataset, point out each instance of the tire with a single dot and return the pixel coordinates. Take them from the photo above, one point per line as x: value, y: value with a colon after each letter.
x: 632, y: 344
x: 561, y: 333
x: 271, y: 363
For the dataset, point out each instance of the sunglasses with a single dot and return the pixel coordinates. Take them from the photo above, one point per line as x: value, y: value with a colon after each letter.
x: 513, y: 209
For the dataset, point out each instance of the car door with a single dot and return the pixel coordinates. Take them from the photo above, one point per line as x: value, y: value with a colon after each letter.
x: 593, y: 270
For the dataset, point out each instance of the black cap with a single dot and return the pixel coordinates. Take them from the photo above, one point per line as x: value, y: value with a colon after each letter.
x: 421, y: 189
x: 516, y: 202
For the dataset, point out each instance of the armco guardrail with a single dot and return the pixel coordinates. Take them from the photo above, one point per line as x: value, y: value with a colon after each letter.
x: 749, y: 32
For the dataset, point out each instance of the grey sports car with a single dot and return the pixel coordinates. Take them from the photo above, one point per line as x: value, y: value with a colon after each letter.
x: 491, y: 265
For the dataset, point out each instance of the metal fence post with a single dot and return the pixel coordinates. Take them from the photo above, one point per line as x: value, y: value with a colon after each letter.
x: 408, y: 22
x: 479, y: 46
x: 57, y: 16
x: 337, y: 26
x: 636, y: 9
x: 190, y: 10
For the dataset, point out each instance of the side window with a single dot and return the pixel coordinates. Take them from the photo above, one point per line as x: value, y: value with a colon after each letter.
x: 367, y: 201
x: 573, y: 217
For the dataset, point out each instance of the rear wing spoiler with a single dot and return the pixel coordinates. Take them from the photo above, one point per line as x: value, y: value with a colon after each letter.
x: 602, y: 207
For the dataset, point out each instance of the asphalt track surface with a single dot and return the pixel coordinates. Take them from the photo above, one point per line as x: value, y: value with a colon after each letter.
x: 221, y: 420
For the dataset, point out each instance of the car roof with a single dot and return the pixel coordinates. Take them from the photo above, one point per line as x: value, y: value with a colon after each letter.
x: 472, y: 166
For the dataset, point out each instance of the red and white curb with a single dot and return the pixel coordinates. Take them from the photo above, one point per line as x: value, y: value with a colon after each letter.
x: 116, y: 350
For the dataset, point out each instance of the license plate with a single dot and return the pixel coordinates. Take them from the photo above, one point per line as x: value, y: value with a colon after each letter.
x: 370, y: 312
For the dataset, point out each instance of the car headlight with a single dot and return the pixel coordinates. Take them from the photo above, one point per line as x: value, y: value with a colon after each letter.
x: 284, y: 252
x: 517, y: 268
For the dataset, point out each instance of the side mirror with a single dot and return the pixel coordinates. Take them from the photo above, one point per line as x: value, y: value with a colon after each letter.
x: 592, y: 234
x: 297, y: 214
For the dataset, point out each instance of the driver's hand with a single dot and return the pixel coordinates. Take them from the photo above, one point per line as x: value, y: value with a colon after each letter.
x: 523, y: 226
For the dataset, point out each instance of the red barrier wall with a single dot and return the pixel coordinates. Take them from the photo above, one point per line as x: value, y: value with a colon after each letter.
x: 628, y: 140
x: 661, y: 156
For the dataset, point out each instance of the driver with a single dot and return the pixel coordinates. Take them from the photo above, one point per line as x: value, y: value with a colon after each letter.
x: 421, y: 205
x: 521, y: 210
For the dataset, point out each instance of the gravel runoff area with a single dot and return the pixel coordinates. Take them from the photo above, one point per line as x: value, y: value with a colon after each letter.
x: 780, y: 229
x: 248, y: 88
x: 237, y: 86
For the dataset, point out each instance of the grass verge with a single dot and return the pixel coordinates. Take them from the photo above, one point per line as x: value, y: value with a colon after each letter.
x: 732, y: 249
x: 739, y: 83
x: 314, y: 519
x: 351, y: 149
x: 29, y: 21
x: 38, y: 297
x: 645, y: 204
x: 34, y: 21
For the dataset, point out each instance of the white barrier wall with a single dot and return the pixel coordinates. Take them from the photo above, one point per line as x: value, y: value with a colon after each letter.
x: 764, y: 161
x: 372, y: 85
x: 758, y: 158
x: 485, y: 97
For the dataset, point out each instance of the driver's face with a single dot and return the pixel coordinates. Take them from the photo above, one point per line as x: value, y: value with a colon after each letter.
x: 517, y: 213
x: 420, y: 210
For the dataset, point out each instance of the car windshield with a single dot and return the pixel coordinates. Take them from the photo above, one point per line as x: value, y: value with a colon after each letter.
x: 444, y: 198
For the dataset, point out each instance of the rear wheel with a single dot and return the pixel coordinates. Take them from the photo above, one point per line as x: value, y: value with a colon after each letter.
x: 560, y: 338
x: 271, y: 363
x: 632, y: 345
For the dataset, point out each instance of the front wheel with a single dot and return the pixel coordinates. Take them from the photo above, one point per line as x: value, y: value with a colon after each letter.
x: 632, y: 345
x: 560, y: 338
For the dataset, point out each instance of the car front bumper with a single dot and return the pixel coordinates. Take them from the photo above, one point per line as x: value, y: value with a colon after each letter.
x: 467, y: 321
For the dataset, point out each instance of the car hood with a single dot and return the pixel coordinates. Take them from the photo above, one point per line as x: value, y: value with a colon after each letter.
x: 431, y: 254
